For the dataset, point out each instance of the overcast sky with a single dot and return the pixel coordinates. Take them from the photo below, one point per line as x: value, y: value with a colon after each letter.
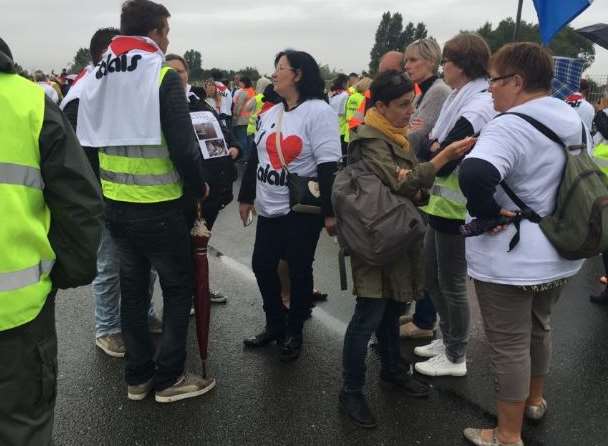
x: 236, y: 33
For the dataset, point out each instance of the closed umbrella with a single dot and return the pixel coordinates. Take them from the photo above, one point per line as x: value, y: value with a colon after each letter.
x: 202, y: 304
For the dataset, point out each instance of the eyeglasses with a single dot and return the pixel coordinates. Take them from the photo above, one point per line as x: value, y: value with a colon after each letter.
x: 492, y: 80
x: 279, y: 68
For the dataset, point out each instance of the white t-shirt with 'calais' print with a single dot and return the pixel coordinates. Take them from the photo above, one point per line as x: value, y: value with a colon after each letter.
x: 309, y: 136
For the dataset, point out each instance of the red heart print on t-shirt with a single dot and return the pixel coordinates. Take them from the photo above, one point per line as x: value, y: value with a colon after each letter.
x: 290, y: 146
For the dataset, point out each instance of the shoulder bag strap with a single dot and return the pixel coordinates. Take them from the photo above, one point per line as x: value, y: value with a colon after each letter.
x: 278, y: 140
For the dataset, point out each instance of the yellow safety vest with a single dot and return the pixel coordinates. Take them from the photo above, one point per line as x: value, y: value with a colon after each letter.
x: 446, y: 199
x: 26, y: 255
x: 352, y: 105
x: 139, y: 174
x: 253, y: 119
x: 600, y: 156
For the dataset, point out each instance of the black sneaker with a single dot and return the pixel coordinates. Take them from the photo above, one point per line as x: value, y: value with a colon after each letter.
x: 405, y: 382
x: 355, y: 406
x: 264, y: 338
x: 290, y: 348
x: 601, y: 299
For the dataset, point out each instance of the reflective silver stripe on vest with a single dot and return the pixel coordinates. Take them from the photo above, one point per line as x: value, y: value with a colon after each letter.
x: 137, y: 151
x: 21, y: 175
x: 139, y: 180
x: 449, y: 194
x: 601, y: 162
x: 29, y: 276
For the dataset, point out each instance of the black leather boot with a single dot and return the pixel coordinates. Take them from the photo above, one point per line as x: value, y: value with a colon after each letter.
x: 355, y: 406
x: 405, y: 382
x: 291, y: 348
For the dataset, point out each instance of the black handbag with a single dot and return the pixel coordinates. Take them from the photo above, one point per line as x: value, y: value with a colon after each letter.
x: 304, y: 192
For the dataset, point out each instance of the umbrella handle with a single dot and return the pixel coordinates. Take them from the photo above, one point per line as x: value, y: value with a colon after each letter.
x: 199, y: 209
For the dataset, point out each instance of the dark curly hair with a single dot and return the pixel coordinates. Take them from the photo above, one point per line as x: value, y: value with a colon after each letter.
x: 310, y: 85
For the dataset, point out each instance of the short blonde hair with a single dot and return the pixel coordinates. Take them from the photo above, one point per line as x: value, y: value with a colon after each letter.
x: 428, y: 49
x: 363, y: 85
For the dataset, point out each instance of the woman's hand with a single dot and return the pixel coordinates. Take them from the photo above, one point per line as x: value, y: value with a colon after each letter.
x: 330, y: 225
x: 458, y: 149
x: 233, y: 152
x: 498, y: 229
x: 416, y: 124
x: 402, y: 173
x: 246, y: 211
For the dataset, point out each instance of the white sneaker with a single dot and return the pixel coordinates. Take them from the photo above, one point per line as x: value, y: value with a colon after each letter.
x: 430, y: 350
x: 441, y: 366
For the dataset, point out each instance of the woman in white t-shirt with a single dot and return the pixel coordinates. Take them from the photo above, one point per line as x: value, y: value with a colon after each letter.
x: 517, y: 286
x: 310, y: 142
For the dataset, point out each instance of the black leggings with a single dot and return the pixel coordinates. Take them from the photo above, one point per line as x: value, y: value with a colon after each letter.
x: 292, y: 237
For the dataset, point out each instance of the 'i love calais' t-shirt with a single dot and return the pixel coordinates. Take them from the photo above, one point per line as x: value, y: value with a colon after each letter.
x: 309, y: 136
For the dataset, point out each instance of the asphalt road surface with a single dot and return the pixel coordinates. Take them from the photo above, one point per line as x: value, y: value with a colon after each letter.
x: 260, y: 401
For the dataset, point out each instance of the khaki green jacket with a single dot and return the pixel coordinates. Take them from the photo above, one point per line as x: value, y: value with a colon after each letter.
x: 402, y: 280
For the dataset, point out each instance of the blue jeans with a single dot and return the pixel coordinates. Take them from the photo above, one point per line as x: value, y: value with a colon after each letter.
x: 371, y: 314
x: 446, y: 283
x: 425, y: 315
x: 153, y: 236
x: 240, y: 134
x: 106, y: 288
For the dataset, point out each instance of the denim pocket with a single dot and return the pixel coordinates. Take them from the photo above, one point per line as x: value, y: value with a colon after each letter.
x: 47, y: 349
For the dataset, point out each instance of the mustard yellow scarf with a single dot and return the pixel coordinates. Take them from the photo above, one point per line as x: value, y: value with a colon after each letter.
x: 397, y: 134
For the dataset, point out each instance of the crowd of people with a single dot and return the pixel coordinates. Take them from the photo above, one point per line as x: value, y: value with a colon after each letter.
x: 103, y: 180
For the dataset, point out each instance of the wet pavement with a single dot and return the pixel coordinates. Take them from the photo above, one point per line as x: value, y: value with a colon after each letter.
x: 260, y: 401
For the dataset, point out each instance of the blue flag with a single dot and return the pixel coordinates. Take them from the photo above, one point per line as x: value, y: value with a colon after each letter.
x: 553, y: 15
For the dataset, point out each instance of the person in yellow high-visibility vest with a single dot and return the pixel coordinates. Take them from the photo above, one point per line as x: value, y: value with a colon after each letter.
x: 600, y: 156
x: 146, y: 159
x: 50, y: 241
x: 254, y: 106
x: 353, y: 116
x: 338, y: 97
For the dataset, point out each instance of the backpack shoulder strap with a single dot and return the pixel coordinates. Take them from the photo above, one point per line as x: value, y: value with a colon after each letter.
x: 538, y: 126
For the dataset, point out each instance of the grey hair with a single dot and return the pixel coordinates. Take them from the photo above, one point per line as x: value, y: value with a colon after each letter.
x: 39, y: 76
x: 428, y: 49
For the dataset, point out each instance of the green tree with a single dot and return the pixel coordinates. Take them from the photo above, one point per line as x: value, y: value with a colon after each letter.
x: 381, y: 44
x: 250, y: 72
x: 392, y: 36
x: 81, y: 60
x: 195, y: 61
x: 567, y: 43
x: 327, y: 73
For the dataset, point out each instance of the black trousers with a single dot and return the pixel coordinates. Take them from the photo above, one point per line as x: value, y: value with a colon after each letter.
x: 28, y: 380
x: 293, y: 238
x: 158, y: 237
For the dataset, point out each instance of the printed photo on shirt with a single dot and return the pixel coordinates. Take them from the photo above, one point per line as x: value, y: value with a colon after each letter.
x: 209, y: 134
x: 216, y: 148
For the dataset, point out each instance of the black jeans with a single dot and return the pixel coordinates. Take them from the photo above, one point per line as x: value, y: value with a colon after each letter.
x: 292, y: 237
x: 28, y: 380
x: 155, y: 236
x: 371, y: 314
